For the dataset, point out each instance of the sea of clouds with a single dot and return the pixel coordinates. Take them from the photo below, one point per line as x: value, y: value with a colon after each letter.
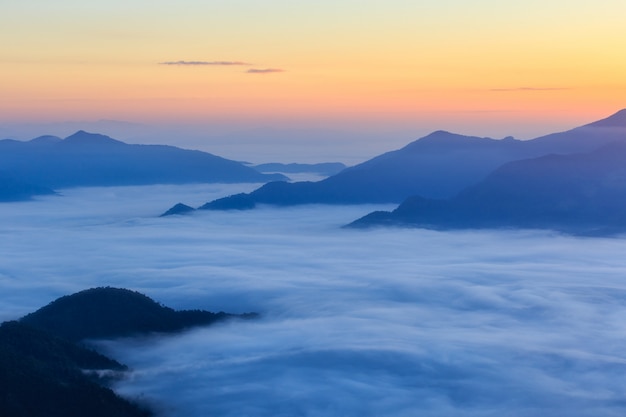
x: 383, y: 322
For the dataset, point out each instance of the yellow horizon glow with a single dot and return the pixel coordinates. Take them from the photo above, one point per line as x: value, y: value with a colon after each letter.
x: 390, y: 61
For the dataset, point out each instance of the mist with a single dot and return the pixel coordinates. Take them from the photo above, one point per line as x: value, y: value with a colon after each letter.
x: 384, y: 322
x: 312, y: 141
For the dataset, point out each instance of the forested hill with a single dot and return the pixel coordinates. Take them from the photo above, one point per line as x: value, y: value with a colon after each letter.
x: 108, y: 312
x: 45, y: 371
x: 45, y: 376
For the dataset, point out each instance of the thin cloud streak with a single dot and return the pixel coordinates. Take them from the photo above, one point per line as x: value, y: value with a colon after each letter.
x: 530, y: 89
x: 264, y: 70
x: 208, y: 63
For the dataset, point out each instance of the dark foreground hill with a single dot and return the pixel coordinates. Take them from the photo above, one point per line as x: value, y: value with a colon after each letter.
x: 114, y: 312
x: 46, y: 372
x: 44, y: 376
x: 582, y: 194
x: 86, y: 159
x: 438, y: 166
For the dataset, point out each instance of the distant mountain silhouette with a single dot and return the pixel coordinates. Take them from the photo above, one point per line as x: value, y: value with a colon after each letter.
x: 239, y: 201
x: 617, y: 120
x: 579, y: 193
x: 87, y: 159
x: 585, y: 138
x: 324, y: 168
x: 438, y: 166
x: 46, y: 139
x: 179, y: 208
x: 12, y: 189
x: 114, y: 312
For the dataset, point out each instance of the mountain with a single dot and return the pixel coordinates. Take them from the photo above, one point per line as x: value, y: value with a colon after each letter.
x: 617, y: 120
x: 114, y: 312
x: 581, y: 194
x: 585, y: 138
x: 438, y: 166
x: 88, y: 159
x: 46, y: 371
x: 179, y: 208
x: 324, y: 168
x: 44, y: 376
x: 12, y: 189
x: 46, y: 139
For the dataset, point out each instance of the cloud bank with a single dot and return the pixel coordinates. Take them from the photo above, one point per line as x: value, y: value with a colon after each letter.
x: 384, y: 322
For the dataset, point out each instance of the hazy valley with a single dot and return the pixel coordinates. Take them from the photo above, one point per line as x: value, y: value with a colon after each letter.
x: 465, y: 320
x: 379, y: 322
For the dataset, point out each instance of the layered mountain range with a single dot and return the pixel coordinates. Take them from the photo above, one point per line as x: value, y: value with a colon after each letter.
x: 583, y: 193
x: 570, y: 181
x: 87, y: 159
x: 579, y: 190
x: 443, y: 180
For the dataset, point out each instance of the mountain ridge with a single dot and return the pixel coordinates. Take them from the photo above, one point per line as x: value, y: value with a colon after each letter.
x: 12, y: 189
x: 107, y: 312
x: 581, y: 194
x: 617, y: 119
x: 89, y: 159
x: 438, y: 165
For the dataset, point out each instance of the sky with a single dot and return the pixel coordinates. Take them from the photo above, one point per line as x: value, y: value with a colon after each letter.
x: 384, y: 322
x: 398, y: 68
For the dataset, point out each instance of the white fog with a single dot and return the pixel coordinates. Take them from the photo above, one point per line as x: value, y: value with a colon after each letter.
x: 384, y: 322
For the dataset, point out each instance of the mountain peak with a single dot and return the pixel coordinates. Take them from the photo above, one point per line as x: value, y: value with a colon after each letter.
x: 107, y: 312
x: 444, y: 138
x: 439, y: 134
x: 46, y: 139
x: 616, y: 120
x: 82, y: 137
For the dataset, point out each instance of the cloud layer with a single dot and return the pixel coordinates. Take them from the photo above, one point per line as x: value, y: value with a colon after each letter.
x: 384, y: 322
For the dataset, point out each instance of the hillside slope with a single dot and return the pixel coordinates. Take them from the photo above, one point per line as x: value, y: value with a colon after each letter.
x: 114, y: 312
x: 438, y: 166
x: 580, y: 193
x: 87, y: 159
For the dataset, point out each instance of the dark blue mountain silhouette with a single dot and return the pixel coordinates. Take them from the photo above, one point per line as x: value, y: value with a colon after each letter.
x: 179, y: 208
x: 439, y: 165
x: 108, y: 312
x: 87, y: 159
x: 578, y: 193
x: 46, y: 369
x: 12, y: 189
x: 42, y: 375
x: 323, y: 168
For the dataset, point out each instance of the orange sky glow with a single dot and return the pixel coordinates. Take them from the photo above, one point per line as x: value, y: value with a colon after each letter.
x: 479, y: 67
